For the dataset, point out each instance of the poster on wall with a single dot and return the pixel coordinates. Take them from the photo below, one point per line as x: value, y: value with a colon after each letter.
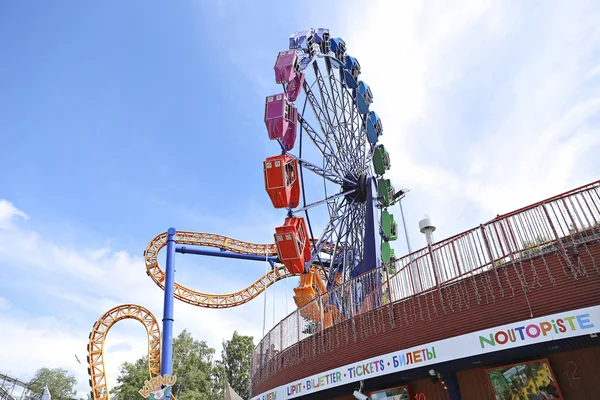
x: 397, y: 393
x: 526, y: 380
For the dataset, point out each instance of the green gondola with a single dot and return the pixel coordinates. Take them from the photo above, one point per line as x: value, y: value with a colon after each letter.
x: 387, y: 253
x: 381, y: 160
x: 389, y: 226
x: 386, y: 192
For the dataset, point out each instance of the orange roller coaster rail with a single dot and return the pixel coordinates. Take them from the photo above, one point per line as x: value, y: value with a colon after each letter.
x: 206, y: 300
x: 98, y: 334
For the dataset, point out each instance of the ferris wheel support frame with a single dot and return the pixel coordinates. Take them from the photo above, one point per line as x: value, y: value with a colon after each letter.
x: 166, y: 364
x: 372, y: 239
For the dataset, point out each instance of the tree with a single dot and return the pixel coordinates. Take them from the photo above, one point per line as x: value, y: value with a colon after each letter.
x: 59, y: 381
x: 219, y: 380
x: 192, y: 365
x: 131, y: 379
x: 237, y: 359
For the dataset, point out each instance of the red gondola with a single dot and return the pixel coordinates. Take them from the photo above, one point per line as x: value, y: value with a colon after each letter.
x: 293, y: 245
x: 281, y: 181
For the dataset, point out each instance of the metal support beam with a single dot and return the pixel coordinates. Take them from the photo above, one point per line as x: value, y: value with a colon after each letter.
x: 226, y: 254
x: 166, y: 363
x: 372, y: 250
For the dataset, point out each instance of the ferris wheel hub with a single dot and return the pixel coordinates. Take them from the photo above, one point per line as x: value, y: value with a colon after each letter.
x: 359, y: 185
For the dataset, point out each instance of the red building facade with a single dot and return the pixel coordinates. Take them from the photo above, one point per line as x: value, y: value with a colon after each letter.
x: 505, y: 308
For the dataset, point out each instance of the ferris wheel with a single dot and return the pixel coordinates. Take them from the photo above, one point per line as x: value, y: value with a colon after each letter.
x: 331, y: 167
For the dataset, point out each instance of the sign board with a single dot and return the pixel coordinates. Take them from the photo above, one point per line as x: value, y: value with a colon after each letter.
x: 558, y: 326
x: 156, y: 388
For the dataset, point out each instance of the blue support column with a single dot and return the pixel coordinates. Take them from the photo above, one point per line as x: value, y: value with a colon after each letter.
x: 451, y: 381
x: 166, y: 362
x: 372, y: 240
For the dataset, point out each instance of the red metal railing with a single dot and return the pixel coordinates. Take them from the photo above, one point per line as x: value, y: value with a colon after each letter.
x: 550, y: 226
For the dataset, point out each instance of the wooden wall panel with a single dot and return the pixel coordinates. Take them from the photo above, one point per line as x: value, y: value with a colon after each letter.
x: 474, y: 384
x: 578, y: 373
x: 425, y: 389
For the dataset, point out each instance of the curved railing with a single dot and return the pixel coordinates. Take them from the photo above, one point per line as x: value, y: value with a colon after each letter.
x: 569, y: 220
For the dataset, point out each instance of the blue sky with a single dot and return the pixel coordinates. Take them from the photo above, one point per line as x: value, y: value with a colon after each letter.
x: 120, y: 120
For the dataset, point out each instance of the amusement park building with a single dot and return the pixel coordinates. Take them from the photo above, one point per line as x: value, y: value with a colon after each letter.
x: 519, y: 288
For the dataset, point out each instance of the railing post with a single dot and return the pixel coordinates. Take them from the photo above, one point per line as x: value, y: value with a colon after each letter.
x: 435, y: 275
x: 456, y: 258
x: 570, y: 217
x: 390, y: 302
x: 512, y: 235
x: 298, y: 323
x: 510, y: 254
x: 560, y: 244
x: 387, y: 278
x: 487, y: 245
x: 322, y: 326
x: 434, y: 266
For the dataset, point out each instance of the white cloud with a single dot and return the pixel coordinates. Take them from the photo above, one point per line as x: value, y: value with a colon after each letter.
x: 8, y: 212
x: 62, y: 291
x: 486, y: 106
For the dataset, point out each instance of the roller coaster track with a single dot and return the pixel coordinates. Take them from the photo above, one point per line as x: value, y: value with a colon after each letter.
x: 7, y: 393
x: 225, y: 243
x: 98, y: 334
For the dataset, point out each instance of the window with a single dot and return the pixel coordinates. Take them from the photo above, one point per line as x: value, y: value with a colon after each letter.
x: 290, y: 174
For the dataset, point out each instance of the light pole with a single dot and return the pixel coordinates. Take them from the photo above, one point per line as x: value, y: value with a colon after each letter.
x: 413, y: 266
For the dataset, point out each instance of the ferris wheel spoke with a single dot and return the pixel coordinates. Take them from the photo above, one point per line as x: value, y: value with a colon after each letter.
x: 346, y: 246
x: 336, y: 135
x: 321, y: 116
x: 335, y: 86
x: 328, y: 231
x: 354, y: 243
x: 322, y: 145
x: 323, y: 241
x: 325, y: 200
x: 347, y: 105
x: 327, y: 127
x: 339, y: 94
x: 358, y: 216
x: 356, y: 140
x: 329, y: 175
x: 352, y: 126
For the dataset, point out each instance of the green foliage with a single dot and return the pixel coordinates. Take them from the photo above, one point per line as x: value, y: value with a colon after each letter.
x: 59, y: 381
x: 199, y: 377
x: 131, y: 379
x: 534, y: 247
x: 219, y: 380
x: 237, y: 359
x: 193, y: 367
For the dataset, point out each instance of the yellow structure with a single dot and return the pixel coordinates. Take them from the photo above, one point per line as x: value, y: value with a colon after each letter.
x: 309, y: 282
x: 98, y: 334
x: 206, y: 300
